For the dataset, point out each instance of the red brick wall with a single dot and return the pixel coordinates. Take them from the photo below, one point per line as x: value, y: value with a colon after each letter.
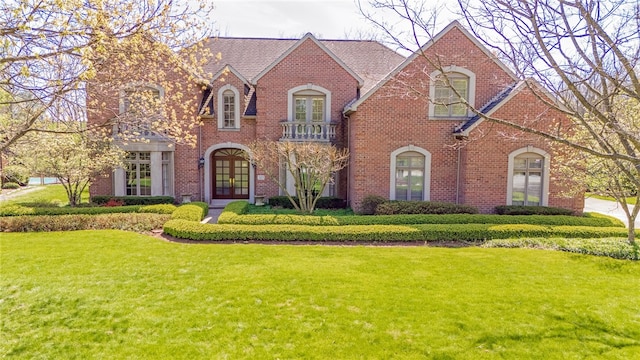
x: 394, y: 117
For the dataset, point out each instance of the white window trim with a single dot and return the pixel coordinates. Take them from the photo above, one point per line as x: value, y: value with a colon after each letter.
x: 236, y: 96
x: 545, y: 174
x: 426, y: 194
x: 292, y: 92
x: 208, y: 166
x: 134, y: 86
x: 432, y: 90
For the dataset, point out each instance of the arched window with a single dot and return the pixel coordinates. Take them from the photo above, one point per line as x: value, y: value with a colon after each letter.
x: 410, y: 174
x: 228, y: 108
x: 528, y: 182
x: 445, y: 103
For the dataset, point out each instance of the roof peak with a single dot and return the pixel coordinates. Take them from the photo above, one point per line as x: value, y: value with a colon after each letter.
x: 289, y: 39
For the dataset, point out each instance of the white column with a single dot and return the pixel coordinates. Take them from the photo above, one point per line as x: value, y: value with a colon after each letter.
x: 156, y: 173
x: 119, y: 181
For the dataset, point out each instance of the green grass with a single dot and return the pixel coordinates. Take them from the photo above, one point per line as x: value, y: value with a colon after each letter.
x: 45, y: 195
x: 112, y: 294
x: 267, y: 209
x: 630, y: 200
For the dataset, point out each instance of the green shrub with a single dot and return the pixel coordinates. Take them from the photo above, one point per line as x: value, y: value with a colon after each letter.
x: 618, y: 248
x: 372, y: 233
x: 158, y: 209
x: 614, y: 221
x: 531, y: 210
x: 10, y: 186
x: 130, y: 222
x: 18, y: 210
x: 422, y: 207
x: 325, y: 202
x: 370, y: 203
x: 188, y: 212
x: 16, y: 173
x: 203, y: 206
x: 233, y: 211
x: 133, y: 200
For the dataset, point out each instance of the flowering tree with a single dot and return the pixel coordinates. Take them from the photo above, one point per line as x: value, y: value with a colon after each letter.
x: 311, y: 165
x: 51, y: 50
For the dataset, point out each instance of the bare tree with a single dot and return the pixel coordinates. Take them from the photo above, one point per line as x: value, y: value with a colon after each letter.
x: 50, y: 50
x: 312, y: 167
x: 580, y: 57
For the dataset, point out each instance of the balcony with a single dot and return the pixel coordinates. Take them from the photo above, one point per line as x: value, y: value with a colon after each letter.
x: 308, y: 131
x: 129, y: 132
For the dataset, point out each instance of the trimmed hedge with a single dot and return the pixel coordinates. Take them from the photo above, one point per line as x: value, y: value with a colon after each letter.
x: 386, y: 233
x: 325, y: 202
x: 395, y: 207
x: 615, y: 221
x: 133, y: 200
x: 130, y: 222
x: 158, y: 209
x: 617, y: 248
x: 190, y: 212
x: 370, y: 203
x: 530, y: 210
x: 234, y: 212
x: 18, y: 210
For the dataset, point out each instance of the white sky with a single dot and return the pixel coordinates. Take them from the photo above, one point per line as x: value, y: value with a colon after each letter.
x: 328, y: 19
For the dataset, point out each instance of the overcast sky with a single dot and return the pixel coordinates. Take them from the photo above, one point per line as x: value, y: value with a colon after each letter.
x: 327, y: 19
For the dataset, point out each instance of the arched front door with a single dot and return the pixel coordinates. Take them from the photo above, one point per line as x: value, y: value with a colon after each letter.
x: 230, y: 174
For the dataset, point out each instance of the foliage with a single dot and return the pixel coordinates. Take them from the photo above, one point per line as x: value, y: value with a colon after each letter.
x: 370, y: 203
x: 203, y: 206
x: 422, y: 207
x: 158, y: 209
x: 323, y: 202
x: 15, y: 173
x: 51, y: 51
x: 594, y: 215
x: 11, y: 186
x: 531, y: 210
x: 194, y: 230
x: 18, y: 210
x: 74, y: 159
x: 612, y: 247
x: 133, y: 200
x: 312, y: 166
x: 189, y: 212
x: 122, y: 221
x: 227, y: 301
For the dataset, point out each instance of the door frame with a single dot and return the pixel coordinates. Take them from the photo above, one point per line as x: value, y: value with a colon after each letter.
x: 208, y: 170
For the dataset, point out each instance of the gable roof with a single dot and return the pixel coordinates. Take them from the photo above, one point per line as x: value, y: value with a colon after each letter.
x: 309, y: 36
x: 455, y: 24
x: 368, y: 59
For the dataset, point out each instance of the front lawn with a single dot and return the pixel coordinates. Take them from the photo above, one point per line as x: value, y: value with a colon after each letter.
x: 113, y: 294
x: 45, y: 195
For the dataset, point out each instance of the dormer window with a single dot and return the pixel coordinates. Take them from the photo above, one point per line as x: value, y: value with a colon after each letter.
x: 447, y: 102
x: 228, y: 108
x: 449, y: 91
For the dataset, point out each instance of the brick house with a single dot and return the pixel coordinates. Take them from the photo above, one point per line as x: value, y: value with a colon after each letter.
x: 363, y: 96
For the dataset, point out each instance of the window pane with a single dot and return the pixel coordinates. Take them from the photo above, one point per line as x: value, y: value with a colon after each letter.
x: 402, y: 184
x: 318, y: 109
x: 535, y: 163
x: 145, y: 179
x: 461, y: 86
x: 416, y: 181
x: 441, y: 110
x: 519, y: 184
x: 301, y: 109
x: 534, y: 188
x: 520, y: 163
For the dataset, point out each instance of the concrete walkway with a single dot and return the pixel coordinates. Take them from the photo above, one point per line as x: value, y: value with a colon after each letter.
x: 212, y: 217
x: 10, y: 194
x: 606, y: 207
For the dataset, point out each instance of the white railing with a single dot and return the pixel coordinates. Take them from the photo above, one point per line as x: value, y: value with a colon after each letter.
x: 308, y: 131
x: 128, y: 131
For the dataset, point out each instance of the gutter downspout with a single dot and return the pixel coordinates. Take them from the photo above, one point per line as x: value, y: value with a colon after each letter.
x: 458, y: 178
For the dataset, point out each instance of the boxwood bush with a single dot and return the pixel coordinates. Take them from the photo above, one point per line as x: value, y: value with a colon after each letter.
x: 395, y: 207
x: 130, y: 222
x: 234, y: 214
x: 190, y: 212
x: 325, y: 202
x: 17, y: 210
x: 425, y: 232
x: 531, y: 210
x: 158, y: 209
x: 133, y: 200
x: 370, y: 203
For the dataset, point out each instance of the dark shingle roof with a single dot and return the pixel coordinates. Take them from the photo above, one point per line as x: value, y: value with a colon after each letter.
x: 249, y: 56
x: 485, y: 109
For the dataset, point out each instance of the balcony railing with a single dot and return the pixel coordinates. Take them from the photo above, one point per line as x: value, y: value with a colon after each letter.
x: 132, y: 132
x: 308, y: 131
